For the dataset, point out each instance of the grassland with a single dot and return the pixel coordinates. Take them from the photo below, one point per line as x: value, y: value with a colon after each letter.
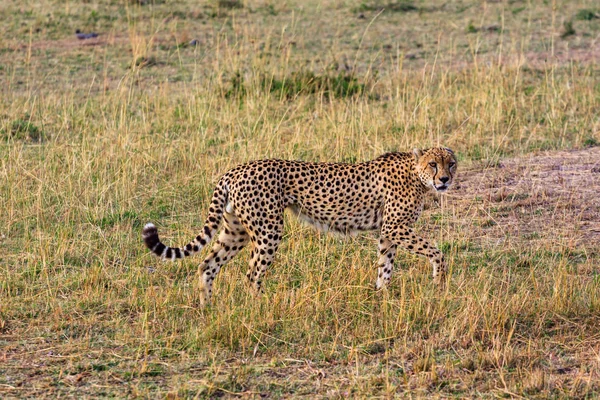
x: 99, y: 136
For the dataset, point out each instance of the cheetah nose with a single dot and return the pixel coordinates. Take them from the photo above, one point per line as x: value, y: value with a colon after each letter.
x: 444, y: 179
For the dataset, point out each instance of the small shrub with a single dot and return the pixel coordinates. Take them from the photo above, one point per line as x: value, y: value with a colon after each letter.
x: 146, y: 2
x: 568, y: 29
x: 305, y: 82
x: 397, y: 6
x: 269, y: 9
x: 401, y: 7
x: 299, y: 83
x: 230, y: 4
x: 142, y: 62
x: 586, y: 15
x: 236, y: 88
x: 24, y: 129
x: 518, y: 10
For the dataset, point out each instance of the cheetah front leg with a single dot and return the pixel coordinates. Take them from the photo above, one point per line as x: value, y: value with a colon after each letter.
x: 387, y: 253
x: 405, y: 236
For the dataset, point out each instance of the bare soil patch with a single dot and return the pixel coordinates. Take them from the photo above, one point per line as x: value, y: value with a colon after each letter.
x: 550, y: 195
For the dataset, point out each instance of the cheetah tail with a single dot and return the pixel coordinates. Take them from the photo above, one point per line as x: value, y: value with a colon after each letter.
x: 215, y: 214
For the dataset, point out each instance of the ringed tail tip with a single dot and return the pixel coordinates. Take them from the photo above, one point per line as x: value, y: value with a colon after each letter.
x: 150, y: 235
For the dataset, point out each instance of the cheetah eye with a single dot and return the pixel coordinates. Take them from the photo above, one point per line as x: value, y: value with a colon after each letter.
x: 452, y: 164
x: 432, y: 164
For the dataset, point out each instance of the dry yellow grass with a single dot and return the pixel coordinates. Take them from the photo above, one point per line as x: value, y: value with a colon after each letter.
x: 99, y: 137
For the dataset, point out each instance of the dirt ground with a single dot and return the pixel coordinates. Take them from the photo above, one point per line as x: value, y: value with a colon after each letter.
x: 549, y: 195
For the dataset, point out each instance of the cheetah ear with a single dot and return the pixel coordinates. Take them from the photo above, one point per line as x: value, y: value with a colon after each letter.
x: 418, y: 153
x: 449, y: 150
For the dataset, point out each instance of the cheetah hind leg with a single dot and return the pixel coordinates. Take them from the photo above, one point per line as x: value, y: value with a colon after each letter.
x: 264, y: 247
x: 231, y: 240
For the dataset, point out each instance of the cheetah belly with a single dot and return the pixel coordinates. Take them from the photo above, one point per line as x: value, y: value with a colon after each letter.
x: 310, y: 220
x: 349, y: 223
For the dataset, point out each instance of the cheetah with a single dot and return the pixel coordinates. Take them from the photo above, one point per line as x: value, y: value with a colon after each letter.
x: 385, y: 194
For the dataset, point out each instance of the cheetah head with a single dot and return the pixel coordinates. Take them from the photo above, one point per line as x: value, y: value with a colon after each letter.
x: 435, y: 167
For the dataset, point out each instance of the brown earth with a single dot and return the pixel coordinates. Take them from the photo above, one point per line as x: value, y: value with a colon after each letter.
x: 550, y: 195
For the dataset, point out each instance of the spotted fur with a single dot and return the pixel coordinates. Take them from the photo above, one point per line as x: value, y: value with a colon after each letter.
x: 384, y: 194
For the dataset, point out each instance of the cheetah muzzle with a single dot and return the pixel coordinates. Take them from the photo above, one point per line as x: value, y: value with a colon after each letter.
x: 385, y: 194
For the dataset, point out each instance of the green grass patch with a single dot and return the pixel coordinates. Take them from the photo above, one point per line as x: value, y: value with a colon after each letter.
x: 23, y: 129
x: 587, y: 14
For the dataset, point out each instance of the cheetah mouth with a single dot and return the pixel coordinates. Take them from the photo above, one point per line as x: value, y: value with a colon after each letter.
x: 441, y: 188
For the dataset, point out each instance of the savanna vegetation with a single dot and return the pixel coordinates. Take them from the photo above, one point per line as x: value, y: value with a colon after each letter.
x: 101, y: 134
